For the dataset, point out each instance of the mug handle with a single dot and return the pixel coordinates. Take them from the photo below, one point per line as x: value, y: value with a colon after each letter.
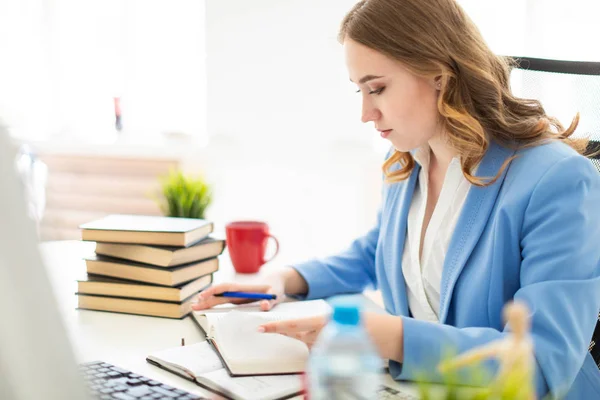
x: 276, y: 248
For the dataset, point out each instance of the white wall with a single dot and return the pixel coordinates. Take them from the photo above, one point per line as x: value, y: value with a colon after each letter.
x: 286, y: 142
x: 316, y: 202
x: 276, y: 70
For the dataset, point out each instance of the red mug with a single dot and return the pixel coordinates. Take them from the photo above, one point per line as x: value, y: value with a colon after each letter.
x: 247, y: 245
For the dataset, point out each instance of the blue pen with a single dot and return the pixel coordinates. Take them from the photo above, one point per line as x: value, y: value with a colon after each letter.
x: 247, y: 295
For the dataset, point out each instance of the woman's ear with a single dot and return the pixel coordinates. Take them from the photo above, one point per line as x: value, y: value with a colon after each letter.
x: 437, y: 82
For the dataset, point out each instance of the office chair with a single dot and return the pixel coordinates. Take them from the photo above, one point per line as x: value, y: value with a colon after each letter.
x: 565, y: 88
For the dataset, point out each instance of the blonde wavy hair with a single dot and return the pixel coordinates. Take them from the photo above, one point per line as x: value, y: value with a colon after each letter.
x: 436, y: 38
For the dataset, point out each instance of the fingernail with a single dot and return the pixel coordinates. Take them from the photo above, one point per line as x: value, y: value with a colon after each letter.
x: 261, y: 329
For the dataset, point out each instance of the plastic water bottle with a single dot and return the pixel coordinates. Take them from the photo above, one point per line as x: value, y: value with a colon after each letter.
x: 344, y: 363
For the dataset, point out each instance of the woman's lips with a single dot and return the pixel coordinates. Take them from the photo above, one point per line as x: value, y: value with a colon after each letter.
x: 386, y: 133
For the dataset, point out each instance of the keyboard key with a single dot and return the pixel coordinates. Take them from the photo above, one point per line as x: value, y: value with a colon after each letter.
x: 120, y: 370
x: 106, y: 381
x: 123, y: 396
x: 88, y: 364
x: 164, y: 392
x: 139, y: 391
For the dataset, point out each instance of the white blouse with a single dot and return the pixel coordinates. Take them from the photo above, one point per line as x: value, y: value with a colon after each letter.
x: 423, y: 275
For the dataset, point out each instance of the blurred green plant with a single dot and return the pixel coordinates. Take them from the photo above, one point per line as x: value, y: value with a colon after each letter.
x: 184, y: 195
x: 481, y: 384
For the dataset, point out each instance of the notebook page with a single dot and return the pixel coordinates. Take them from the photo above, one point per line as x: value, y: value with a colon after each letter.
x: 230, y: 307
x: 292, y: 307
x: 299, y: 309
x: 253, y: 387
x: 257, y: 348
x: 198, y: 358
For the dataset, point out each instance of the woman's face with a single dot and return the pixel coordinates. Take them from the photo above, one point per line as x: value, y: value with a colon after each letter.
x: 401, y: 105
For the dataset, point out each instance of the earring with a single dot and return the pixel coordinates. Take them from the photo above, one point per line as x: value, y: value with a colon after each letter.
x: 438, y: 85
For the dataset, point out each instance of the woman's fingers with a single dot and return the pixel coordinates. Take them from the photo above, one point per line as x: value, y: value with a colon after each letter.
x: 203, y: 304
x: 207, y: 299
x: 308, y: 337
x: 267, y: 305
x: 294, y: 325
x: 233, y: 287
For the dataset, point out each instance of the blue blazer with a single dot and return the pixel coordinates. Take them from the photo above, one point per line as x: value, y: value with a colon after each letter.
x: 533, y: 235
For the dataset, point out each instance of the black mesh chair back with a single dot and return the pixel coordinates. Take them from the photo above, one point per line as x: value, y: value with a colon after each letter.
x: 565, y: 88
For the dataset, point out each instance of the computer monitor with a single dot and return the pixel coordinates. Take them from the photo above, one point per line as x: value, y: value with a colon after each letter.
x: 36, y: 358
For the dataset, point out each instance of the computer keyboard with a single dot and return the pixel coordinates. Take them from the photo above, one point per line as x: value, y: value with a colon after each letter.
x: 108, y: 382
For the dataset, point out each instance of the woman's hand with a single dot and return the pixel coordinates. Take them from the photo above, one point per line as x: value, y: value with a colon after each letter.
x: 386, y: 331
x: 273, y: 285
x: 304, y: 329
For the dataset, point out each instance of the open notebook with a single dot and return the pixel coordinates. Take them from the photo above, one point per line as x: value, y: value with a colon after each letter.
x: 232, y: 331
x: 200, y: 363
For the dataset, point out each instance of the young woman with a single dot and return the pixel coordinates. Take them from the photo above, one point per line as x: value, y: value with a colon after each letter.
x: 486, y: 200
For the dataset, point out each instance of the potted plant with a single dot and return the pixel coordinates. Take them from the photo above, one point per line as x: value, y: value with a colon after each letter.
x: 184, y: 195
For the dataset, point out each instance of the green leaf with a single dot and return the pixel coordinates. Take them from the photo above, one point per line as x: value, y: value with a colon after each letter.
x: 183, y: 195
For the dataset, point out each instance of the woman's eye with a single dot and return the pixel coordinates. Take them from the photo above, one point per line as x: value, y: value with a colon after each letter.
x: 377, y: 91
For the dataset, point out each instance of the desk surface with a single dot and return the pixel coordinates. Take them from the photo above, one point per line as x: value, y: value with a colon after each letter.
x: 121, y: 339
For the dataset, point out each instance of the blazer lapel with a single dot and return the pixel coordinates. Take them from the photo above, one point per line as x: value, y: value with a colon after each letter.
x: 397, y: 230
x: 473, y: 219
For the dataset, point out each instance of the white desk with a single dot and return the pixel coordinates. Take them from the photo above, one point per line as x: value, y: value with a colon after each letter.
x: 121, y: 339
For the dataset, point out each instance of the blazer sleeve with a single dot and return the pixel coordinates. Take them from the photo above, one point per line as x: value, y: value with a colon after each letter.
x: 560, y: 282
x: 349, y: 272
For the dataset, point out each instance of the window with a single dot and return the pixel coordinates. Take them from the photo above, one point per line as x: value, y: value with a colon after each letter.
x: 72, y: 58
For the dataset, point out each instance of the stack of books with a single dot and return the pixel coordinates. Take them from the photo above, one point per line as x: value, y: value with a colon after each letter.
x: 148, y: 265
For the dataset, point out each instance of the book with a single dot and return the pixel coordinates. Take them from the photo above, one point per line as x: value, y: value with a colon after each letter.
x: 257, y: 353
x: 200, y: 364
x: 107, y: 286
x: 107, y: 266
x: 143, y: 229
x: 176, y: 310
x: 163, y: 256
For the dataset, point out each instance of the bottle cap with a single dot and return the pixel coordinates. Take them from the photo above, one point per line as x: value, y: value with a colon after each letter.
x: 346, y: 314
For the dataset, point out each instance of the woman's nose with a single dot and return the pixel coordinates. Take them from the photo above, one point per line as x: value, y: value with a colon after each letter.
x: 369, y: 113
